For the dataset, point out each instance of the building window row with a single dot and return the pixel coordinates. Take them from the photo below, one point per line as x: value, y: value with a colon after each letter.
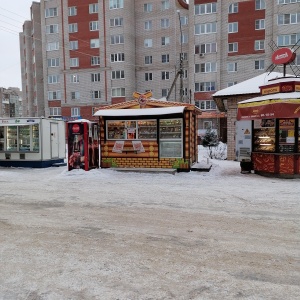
x: 208, y: 8
x: 286, y: 19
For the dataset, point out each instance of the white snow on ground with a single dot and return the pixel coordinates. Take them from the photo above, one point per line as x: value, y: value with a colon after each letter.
x: 111, y: 235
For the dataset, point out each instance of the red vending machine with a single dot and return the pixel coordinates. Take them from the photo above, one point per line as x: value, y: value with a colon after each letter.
x: 83, y: 145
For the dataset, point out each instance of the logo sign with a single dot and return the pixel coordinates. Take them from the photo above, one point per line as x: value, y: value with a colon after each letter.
x: 75, y: 128
x: 283, y: 56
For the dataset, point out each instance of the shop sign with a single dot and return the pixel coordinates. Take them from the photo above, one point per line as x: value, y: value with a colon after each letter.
x: 283, y: 56
x: 287, y: 88
x: 297, y: 88
x: 270, y: 90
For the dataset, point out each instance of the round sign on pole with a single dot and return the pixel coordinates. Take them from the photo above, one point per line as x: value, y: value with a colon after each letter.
x: 283, y: 56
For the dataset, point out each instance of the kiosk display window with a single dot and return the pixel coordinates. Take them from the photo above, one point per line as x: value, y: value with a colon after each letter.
x: 264, y: 135
x: 286, y: 135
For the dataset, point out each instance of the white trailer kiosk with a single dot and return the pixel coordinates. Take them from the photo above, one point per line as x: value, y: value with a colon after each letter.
x: 32, y: 142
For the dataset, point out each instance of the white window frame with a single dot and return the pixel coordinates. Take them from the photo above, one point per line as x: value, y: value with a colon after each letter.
x: 95, y: 77
x: 233, y: 47
x: 74, y: 78
x: 148, y: 76
x: 148, y: 60
x: 165, y: 75
x: 117, y: 39
x: 52, y: 28
x: 233, y: 8
x: 72, y: 11
x: 148, y: 25
x: 53, y: 79
x: 75, y: 111
x: 95, y: 60
x: 95, y: 43
x: 53, y: 62
x: 233, y: 27
x: 118, y: 92
x: 94, y: 25
x: 165, y: 4
x: 75, y: 95
x: 148, y: 43
x: 165, y: 23
x: 117, y: 57
x: 165, y: 58
x: 54, y: 95
x: 93, y: 8
x: 260, y: 4
x: 260, y: 24
x: 117, y: 74
x: 205, y: 28
x: 52, y: 46
x: 259, y: 45
x: 205, y: 9
x: 116, y: 4
x: 232, y: 67
x: 116, y: 22
x: 148, y: 7
x: 51, y: 12
x: 96, y: 94
x: 73, y: 27
x: 73, y: 45
x: 54, y: 111
x: 74, y: 62
x: 259, y: 64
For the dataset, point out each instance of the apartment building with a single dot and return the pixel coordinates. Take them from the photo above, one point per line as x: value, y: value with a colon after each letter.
x: 11, y: 102
x: 78, y: 55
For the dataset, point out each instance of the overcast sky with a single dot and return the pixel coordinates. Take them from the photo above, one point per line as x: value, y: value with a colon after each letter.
x: 13, y: 13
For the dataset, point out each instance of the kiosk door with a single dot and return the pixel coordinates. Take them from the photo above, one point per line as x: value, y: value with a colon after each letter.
x: 54, y: 140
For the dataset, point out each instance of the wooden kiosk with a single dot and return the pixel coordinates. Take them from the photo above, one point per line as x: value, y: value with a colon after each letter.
x: 146, y: 133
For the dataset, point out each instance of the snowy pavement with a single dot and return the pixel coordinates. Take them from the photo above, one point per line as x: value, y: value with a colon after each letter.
x: 111, y: 235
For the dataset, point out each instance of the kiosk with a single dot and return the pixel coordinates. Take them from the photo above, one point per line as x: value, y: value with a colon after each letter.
x: 32, y: 142
x: 146, y: 133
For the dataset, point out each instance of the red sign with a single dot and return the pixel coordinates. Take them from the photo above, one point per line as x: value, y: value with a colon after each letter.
x: 75, y: 128
x: 283, y: 56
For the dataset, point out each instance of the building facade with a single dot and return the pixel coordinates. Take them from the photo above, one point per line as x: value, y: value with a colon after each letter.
x: 11, y: 103
x: 78, y: 55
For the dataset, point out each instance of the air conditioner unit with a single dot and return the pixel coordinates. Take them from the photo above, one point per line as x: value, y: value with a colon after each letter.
x: 201, y: 54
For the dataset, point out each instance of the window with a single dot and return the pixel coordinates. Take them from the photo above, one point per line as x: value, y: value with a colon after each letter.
x: 93, y: 8
x: 54, y: 95
x: 208, y: 67
x: 148, y: 25
x: 95, y: 43
x: 95, y: 60
x: 183, y: 39
x: 259, y: 45
x: 115, y: 57
x: 148, y: 60
x: 53, y: 79
x: 75, y: 111
x: 165, y: 75
x: 165, y: 5
x: 55, y: 111
x: 73, y: 45
x: 165, y: 40
x: 286, y: 19
x: 50, y: 12
x: 117, y: 39
x: 95, y: 77
x: 52, y: 28
x: 205, y: 86
x: 206, y: 48
x: 74, y: 78
x: 183, y: 56
x: 286, y: 40
x: 148, y: 7
x: 232, y: 67
x: 115, y: 4
x: 233, y: 47
x: 164, y: 92
x: 233, y: 8
x: 73, y: 27
x: 96, y: 95
x: 287, y: 1
x: 52, y: 46
x: 208, y: 8
x: 233, y: 27
x: 94, y: 25
x: 75, y: 95
x: 118, y: 92
x: 116, y: 22
x: 164, y: 23
x: 74, y: 62
x: 148, y: 76
x: 72, y: 11
x: 231, y: 83
x: 148, y: 43
x: 260, y: 24
x: 260, y: 4
x: 206, y: 28
x: 184, y: 20
x: 259, y: 64
x: 207, y: 105
x: 53, y: 62
x: 165, y: 58
x: 119, y: 74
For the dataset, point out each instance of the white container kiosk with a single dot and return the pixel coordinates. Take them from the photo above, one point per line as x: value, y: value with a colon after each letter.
x: 32, y: 142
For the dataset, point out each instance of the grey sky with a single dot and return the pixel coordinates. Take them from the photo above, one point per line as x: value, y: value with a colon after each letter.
x: 13, y: 13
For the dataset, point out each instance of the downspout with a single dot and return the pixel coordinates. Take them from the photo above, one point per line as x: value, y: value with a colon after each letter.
x: 105, y: 50
x: 63, y: 48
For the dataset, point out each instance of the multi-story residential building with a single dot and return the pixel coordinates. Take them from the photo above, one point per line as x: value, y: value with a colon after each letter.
x: 11, y: 103
x: 78, y: 55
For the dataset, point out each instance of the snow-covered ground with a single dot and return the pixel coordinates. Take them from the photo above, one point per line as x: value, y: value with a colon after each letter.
x: 105, y: 234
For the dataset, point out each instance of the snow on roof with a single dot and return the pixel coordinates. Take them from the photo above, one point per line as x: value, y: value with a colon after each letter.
x: 293, y: 95
x: 139, y: 112
x: 250, y: 86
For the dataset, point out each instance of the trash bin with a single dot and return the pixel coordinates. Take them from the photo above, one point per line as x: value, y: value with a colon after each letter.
x: 246, y: 166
